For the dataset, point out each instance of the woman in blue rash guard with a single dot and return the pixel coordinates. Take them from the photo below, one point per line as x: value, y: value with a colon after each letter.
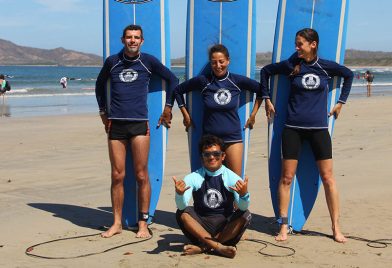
x: 221, y: 95
x: 307, y: 119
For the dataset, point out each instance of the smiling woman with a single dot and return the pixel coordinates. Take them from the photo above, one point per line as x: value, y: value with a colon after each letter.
x: 221, y: 95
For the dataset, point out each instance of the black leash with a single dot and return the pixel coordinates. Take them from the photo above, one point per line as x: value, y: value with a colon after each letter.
x: 266, y: 243
x: 29, y: 250
x: 377, y: 243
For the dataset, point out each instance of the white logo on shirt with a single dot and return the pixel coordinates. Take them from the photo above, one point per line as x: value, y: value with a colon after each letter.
x: 222, y: 96
x: 128, y: 75
x: 213, y: 198
x: 310, y: 81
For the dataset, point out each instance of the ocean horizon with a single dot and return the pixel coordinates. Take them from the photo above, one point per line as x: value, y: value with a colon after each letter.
x: 36, y: 91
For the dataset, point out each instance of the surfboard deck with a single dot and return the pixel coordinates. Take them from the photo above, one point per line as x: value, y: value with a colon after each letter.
x: 232, y: 24
x: 153, y: 17
x: 329, y: 19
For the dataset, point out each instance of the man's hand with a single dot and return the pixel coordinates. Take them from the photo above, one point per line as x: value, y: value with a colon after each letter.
x: 106, y: 122
x: 166, y: 117
x: 241, y: 186
x: 180, y: 186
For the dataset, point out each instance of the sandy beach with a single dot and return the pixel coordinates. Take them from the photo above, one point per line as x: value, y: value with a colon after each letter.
x: 55, y: 180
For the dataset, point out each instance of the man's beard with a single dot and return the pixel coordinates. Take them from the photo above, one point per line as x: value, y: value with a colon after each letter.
x: 132, y: 49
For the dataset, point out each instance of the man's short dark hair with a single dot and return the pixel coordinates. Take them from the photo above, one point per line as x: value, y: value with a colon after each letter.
x: 208, y: 141
x: 2, y: 76
x: 133, y: 27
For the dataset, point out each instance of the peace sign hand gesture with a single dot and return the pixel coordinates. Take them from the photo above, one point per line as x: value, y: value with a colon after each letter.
x: 180, y: 186
x: 241, y: 186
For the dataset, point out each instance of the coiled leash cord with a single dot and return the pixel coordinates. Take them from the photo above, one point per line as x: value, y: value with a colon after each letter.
x: 266, y: 243
x: 377, y: 243
x: 29, y: 250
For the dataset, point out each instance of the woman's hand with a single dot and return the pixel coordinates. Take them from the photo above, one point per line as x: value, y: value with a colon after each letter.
x: 336, y: 110
x: 269, y: 109
x: 250, y: 122
x: 187, y: 121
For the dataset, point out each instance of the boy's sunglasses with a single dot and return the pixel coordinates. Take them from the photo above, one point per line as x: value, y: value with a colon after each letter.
x: 215, y: 154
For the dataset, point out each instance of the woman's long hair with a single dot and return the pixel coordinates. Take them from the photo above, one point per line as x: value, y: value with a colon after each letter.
x: 309, y: 35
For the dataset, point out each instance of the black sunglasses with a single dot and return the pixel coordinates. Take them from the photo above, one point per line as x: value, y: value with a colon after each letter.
x: 215, y: 154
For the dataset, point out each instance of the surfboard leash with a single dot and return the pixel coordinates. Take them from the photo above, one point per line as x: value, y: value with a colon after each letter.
x: 376, y: 243
x: 266, y: 243
x: 29, y: 250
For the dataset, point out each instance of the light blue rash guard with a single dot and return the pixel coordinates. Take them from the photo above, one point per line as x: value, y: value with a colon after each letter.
x: 129, y: 80
x: 211, y: 193
x: 308, y: 99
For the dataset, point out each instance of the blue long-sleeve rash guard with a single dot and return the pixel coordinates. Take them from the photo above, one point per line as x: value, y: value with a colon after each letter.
x: 308, y: 100
x: 221, y: 98
x: 129, y: 80
x: 211, y: 193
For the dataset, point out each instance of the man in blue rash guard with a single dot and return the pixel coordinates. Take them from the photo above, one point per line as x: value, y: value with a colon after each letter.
x: 124, y: 114
x: 212, y: 224
x: 307, y: 119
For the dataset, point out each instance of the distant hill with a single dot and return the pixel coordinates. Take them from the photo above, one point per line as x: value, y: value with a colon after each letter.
x: 353, y: 57
x: 12, y: 54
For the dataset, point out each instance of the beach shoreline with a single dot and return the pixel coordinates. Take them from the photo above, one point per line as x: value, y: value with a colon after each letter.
x: 55, y: 180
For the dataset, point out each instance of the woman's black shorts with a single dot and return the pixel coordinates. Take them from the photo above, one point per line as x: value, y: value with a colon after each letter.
x: 319, y: 140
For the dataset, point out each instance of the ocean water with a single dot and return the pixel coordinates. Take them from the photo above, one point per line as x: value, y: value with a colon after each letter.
x: 36, y: 91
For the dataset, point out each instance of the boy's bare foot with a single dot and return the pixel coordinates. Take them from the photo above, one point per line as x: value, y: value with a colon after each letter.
x: 143, y: 231
x: 226, y: 251
x: 282, y: 236
x: 113, y: 230
x: 192, y: 250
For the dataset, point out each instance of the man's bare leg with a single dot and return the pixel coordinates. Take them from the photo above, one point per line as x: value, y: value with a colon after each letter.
x: 289, y: 167
x: 117, y: 151
x: 193, y: 227
x: 140, y: 146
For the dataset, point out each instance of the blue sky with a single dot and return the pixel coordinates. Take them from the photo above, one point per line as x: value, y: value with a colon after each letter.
x: 77, y: 24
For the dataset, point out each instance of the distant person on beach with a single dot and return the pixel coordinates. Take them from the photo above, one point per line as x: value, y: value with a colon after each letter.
x: 369, y: 77
x: 4, y: 85
x: 125, y: 117
x: 64, y: 81
x: 212, y: 223
x: 307, y: 119
x: 221, y: 91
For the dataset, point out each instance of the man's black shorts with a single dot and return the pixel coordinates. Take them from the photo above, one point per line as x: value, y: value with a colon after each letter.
x: 319, y: 140
x: 125, y: 130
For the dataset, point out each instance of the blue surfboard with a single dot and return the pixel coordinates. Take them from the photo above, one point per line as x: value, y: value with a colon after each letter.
x: 329, y: 19
x: 153, y: 16
x: 233, y: 24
